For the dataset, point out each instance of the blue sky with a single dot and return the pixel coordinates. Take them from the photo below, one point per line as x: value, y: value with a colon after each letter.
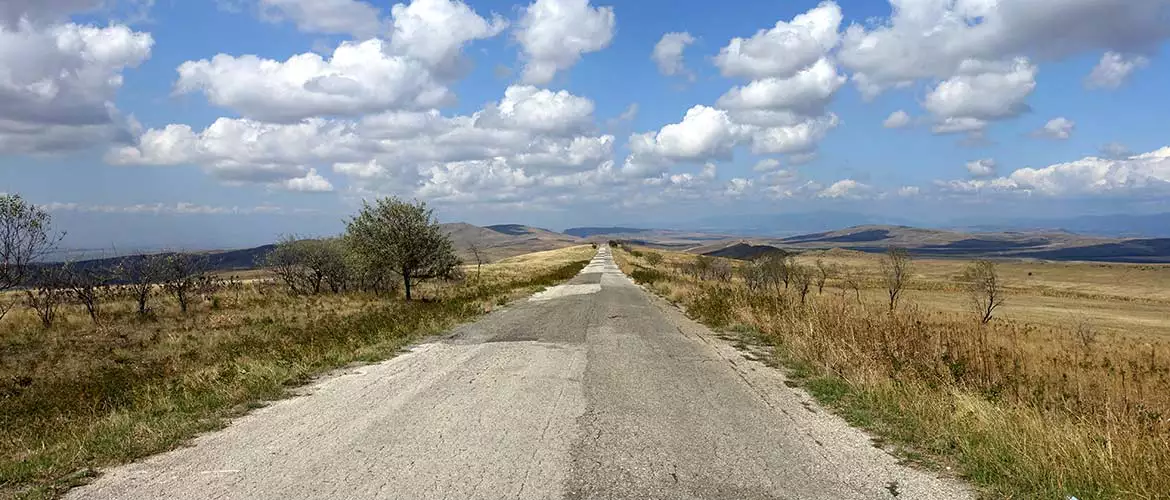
x: 228, y: 122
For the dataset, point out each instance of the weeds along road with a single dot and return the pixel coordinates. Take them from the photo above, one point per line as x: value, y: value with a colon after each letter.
x: 592, y: 389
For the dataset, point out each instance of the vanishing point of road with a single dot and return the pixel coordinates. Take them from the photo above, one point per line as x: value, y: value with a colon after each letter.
x: 591, y: 389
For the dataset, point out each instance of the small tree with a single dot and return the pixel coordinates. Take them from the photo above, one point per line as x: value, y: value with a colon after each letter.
x: 984, y: 287
x: 140, y: 274
x: 824, y: 271
x: 181, y: 276
x: 896, y: 269
x: 801, y: 278
x: 48, y: 290
x: 25, y: 238
x: 478, y: 255
x: 86, y: 285
x: 853, y: 281
x: 405, y: 237
x: 653, y: 258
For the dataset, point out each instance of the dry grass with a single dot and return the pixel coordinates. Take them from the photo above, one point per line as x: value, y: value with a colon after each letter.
x: 1024, y: 407
x: 79, y: 396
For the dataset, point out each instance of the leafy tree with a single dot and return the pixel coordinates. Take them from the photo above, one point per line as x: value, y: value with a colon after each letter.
x: 24, y: 239
x: 405, y: 237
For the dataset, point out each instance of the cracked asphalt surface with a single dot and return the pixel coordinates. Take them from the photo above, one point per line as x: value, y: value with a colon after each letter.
x: 593, y: 389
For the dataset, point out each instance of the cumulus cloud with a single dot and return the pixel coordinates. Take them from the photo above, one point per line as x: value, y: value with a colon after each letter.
x: 311, y: 182
x: 668, y: 53
x: 358, y: 78
x: 897, y: 119
x: 982, y: 168
x: 531, y: 143
x: 1113, y: 70
x: 932, y: 39
x: 59, y: 82
x: 1140, y: 175
x: 540, y: 110
x: 807, y: 92
x: 786, y: 48
x: 797, y: 139
x: 1059, y: 128
x: 705, y: 133
x: 435, y: 31
x: 782, y: 110
x: 982, y: 92
x: 845, y: 188
x: 554, y: 34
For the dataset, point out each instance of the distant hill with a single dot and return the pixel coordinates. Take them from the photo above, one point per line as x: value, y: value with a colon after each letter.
x: 504, y: 240
x: 217, y: 261
x: 745, y: 251
x: 1049, y: 245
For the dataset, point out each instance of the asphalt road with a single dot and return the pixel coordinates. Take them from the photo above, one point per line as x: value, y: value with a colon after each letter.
x: 593, y: 389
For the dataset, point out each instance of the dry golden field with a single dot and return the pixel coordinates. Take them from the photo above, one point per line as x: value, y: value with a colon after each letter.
x: 1065, y: 393
x: 80, y: 396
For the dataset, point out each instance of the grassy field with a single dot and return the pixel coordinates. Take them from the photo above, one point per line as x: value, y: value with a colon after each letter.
x: 1065, y: 393
x: 80, y: 396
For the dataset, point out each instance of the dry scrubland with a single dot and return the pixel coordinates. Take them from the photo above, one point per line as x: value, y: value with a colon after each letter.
x: 79, y: 395
x: 1066, y: 392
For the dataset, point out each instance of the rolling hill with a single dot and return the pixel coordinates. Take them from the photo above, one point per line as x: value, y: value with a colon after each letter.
x: 1049, y: 245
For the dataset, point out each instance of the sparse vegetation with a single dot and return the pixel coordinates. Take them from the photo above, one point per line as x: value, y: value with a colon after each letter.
x: 984, y: 288
x: 1027, y: 406
x: 177, y: 351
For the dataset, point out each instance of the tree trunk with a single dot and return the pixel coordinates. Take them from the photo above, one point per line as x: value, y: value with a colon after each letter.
x: 406, y: 282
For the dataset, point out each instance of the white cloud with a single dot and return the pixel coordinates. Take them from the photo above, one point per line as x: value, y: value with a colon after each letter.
x: 983, y: 92
x: 1145, y: 174
x: 1059, y: 128
x: 909, y: 191
x: 897, y: 119
x: 352, y: 17
x: 359, y: 78
x: 435, y: 31
x: 1113, y: 70
x: 786, y: 48
x: 554, y: 34
x: 311, y: 182
x: 58, y: 84
x: 808, y: 91
x: 845, y: 188
x: 800, y: 138
x: 668, y: 53
x: 540, y: 110
x: 522, y: 149
x: 932, y: 38
x: 981, y: 168
x: 705, y: 133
